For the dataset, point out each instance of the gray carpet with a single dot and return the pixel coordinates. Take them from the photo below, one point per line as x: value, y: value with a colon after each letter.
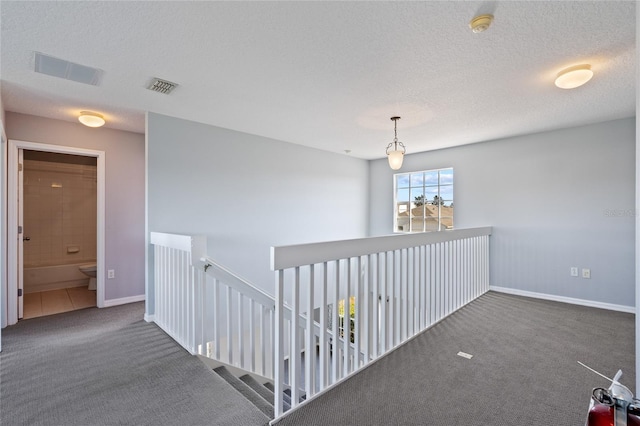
x: 523, y: 371
x: 109, y: 367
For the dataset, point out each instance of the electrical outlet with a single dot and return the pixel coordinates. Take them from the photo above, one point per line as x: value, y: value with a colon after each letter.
x: 586, y: 273
x: 111, y: 273
x: 574, y: 271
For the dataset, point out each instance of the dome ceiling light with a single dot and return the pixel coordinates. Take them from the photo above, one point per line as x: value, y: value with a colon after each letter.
x: 91, y: 119
x: 575, y: 76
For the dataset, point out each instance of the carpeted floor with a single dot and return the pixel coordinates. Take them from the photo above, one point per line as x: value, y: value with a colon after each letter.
x: 524, y: 370
x: 109, y: 367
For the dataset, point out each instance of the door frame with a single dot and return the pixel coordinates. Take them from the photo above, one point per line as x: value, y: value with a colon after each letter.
x: 12, y: 218
x: 20, y: 240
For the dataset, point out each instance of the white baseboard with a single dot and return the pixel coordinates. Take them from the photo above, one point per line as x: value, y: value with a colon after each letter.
x: 571, y: 300
x: 124, y: 300
x: 149, y: 318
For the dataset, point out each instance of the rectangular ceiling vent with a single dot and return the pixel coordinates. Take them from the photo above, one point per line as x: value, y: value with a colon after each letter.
x: 61, y: 68
x: 162, y: 86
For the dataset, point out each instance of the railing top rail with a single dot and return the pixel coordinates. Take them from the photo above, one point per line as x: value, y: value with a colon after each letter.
x: 196, y: 244
x: 180, y: 242
x: 240, y: 284
x: 284, y: 257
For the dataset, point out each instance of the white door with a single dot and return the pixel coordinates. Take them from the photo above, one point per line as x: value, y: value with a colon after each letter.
x: 21, y: 233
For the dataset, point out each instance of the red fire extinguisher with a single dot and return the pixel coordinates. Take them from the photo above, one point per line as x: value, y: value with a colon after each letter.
x: 614, y: 406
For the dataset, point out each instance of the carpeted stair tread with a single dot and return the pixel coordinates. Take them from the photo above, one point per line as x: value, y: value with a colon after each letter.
x: 255, y: 398
x: 287, y: 392
x: 285, y: 396
x: 259, y: 388
x: 267, y: 387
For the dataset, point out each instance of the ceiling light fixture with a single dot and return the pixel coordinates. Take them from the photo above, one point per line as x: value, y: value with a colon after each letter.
x: 575, y: 76
x: 395, y: 150
x: 91, y: 119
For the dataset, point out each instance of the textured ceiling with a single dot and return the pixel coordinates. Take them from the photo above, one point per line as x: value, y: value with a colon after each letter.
x: 327, y: 74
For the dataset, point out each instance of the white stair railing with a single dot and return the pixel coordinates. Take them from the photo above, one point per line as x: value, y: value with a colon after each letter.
x: 234, y: 321
x: 211, y: 311
x: 398, y: 285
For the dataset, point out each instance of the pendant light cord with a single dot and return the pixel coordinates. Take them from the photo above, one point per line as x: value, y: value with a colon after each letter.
x: 395, y: 133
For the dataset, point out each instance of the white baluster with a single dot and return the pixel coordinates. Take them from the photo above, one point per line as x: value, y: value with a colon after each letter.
x: 278, y: 373
x: 323, y: 339
x: 229, y: 327
x: 240, y: 332
x: 375, y: 304
x: 383, y: 278
x: 346, y: 322
x: 310, y: 346
x: 334, y: 325
x: 357, y: 320
x: 294, y: 356
x: 252, y: 336
x: 216, y: 327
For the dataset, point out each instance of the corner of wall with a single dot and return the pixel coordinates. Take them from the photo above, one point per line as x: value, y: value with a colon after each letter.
x: 637, y: 254
x: 149, y: 306
x: 3, y: 220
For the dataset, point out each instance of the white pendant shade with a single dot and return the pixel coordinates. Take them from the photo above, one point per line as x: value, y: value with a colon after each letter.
x: 395, y: 159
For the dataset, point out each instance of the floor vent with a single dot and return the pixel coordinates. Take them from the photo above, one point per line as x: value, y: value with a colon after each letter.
x: 162, y: 86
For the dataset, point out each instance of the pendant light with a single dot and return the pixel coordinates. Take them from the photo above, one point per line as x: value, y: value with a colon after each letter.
x: 395, y: 150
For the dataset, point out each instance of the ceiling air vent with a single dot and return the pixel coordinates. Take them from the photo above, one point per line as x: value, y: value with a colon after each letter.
x: 61, y: 68
x: 162, y: 86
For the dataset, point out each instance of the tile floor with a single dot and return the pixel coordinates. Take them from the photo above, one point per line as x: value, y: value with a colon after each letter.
x: 57, y: 301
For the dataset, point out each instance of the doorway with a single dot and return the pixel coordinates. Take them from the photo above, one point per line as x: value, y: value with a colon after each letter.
x: 16, y: 236
x: 59, y: 232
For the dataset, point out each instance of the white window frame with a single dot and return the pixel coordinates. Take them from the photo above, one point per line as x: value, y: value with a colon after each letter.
x: 410, y: 222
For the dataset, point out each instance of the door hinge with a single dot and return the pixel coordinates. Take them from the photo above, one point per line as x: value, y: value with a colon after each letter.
x: 19, y: 167
x: 19, y: 229
x: 19, y: 292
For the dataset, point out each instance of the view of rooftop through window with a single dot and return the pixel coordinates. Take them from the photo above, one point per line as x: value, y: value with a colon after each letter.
x: 423, y: 201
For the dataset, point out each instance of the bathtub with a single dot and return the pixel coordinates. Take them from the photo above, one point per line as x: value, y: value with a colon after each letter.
x: 44, y: 278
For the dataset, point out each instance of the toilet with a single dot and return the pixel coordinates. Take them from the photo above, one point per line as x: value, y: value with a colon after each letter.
x: 89, y: 270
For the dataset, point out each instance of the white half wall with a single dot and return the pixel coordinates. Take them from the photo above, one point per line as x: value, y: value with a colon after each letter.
x: 246, y: 193
x: 555, y: 200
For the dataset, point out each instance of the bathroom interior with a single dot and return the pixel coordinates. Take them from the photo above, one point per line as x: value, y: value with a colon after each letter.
x: 59, y: 249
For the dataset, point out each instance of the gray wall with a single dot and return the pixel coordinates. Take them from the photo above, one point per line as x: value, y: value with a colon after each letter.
x: 247, y: 193
x: 124, y: 198
x: 555, y: 199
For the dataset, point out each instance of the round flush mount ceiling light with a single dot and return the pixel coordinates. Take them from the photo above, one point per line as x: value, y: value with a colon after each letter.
x: 481, y: 23
x: 575, y: 76
x: 91, y: 119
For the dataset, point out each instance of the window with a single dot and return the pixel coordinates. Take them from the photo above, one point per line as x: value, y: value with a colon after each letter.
x: 423, y: 201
